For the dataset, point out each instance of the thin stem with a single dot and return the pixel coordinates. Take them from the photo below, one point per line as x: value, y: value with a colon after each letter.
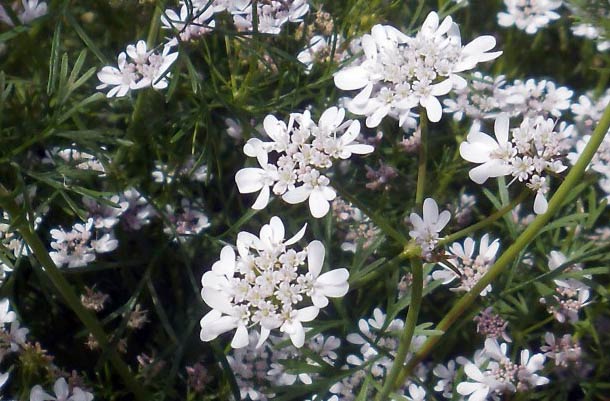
x: 571, y: 180
x: 49, y: 268
x: 423, y: 158
x: 485, y: 222
x: 393, y: 381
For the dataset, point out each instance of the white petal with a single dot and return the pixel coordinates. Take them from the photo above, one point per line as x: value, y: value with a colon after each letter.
x: 318, y: 205
x: 262, y: 200
x: 351, y: 78
x: 540, y: 203
x: 240, y: 339
x: 315, y: 257
x: 297, y: 195
x: 501, y: 127
x: 434, y: 110
x: 249, y: 180
x: 307, y: 314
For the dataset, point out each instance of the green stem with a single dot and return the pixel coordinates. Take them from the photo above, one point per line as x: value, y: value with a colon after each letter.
x: 393, y: 381
x: 423, y: 158
x: 40, y: 252
x: 571, y: 180
x: 485, y: 222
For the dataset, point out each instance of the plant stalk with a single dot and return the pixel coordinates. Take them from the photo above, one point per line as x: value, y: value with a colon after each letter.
x: 392, y: 381
x: 423, y: 158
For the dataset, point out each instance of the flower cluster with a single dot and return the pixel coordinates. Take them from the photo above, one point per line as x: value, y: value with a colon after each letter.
x: 570, y: 294
x: 378, y: 342
x: 138, y: 67
x: 265, y: 285
x: 535, y: 150
x: 529, y: 15
x: 494, y: 373
x: 565, y: 352
x: 399, y: 72
x: 303, y: 149
x: 471, y: 268
x: 193, y: 20
x: 491, y: 325
x: 258, y: 369
x: 426, y: 230
x: 196, y: 17
x: 271, y: 14
x: 486, y: 97
x: 79, y: 246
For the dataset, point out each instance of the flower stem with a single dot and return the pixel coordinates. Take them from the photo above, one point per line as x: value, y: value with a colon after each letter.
x: 571, y: 180
x: 393, y: 380
x: 49, y: 268
x: 423, y: 158
x: 487, y: 221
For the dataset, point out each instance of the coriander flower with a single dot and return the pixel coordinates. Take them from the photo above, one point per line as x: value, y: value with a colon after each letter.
x: 399, y: 72
x: 535, y: 151
x: 144, y: 68
x: 472, y: 268
x: 529, y: 15
x: 303, y: 149
x: 426, y: 230
x: 265, y: 284
x: 493, y: 155
x: 497, y: 374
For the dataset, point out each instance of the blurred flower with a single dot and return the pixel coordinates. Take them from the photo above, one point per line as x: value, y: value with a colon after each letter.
x: 529, y: 15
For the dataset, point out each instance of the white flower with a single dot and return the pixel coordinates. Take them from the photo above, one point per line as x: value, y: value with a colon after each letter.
x: 73, y: 248
x: 192, y: 22
x: 426, y: 231
x: 253, y: 179
x: 146, y: 68
x: 493, y: 155
x: 271, y: 14
x: 122, y: 78
x: 330, y: 284
x: 316, y: 188
x: 529, y: 15
x: 398, y: 72
x: 303, y: 149
x: 472, y: 268
x: 265, y: 285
